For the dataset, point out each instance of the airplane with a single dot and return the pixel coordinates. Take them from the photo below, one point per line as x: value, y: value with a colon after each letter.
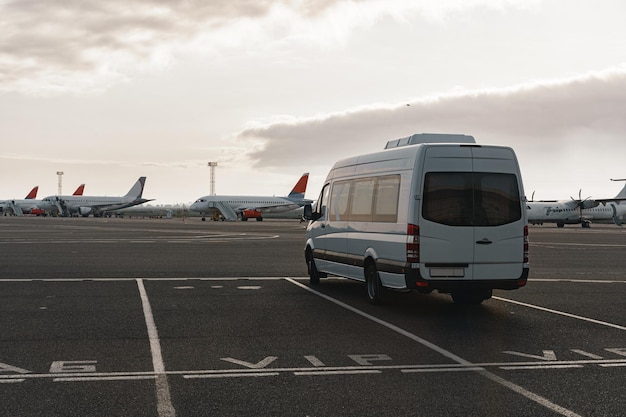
x: 96, y: 205
x: 19, y: 207
x: 251, y: 207
x: 578, y: 211
x: 28, y: 205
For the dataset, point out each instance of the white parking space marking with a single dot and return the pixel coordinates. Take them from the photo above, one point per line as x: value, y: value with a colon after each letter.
x: 199, y: 239
x: 467, y: 368
x: 164, y: 400
x: 562, y: 313
x: 234, y: 375
x: 545, y: 362
x: 322, y: 373
x: 104, y: 378
x: 513, y: 368
x: 581, y: 281
x: 493, y: 377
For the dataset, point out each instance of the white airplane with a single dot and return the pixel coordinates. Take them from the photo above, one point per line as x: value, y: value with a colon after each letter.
x: 252, y: 207
x: 19, y: 207
x: 68, y: 205
x: 578, y: 211
x: 28, y: 205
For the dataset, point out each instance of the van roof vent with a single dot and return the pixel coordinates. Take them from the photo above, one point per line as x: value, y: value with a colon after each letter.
x: 429, y: 138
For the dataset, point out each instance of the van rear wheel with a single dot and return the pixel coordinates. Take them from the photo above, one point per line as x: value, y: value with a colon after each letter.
x: 374, y: 287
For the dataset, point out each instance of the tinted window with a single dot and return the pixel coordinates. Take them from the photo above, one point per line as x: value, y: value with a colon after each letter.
x: 369, y: 199
x: 339, y: 201
x: 322, y: 201
x: 387, y: 193
x: 471, y: 198
x: 362, y: 198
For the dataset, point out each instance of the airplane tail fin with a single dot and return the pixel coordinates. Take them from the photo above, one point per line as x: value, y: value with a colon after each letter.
x: 79, y: 190
x: 137, y: 190
x: 33, y: 193
x: 622, y: 194
x: 299, y: 189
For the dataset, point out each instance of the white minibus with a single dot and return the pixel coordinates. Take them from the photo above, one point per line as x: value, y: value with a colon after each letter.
x: 430, y: 212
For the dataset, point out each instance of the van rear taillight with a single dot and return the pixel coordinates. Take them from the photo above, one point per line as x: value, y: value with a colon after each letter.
x: 525, y: 244
x: 412, y: 244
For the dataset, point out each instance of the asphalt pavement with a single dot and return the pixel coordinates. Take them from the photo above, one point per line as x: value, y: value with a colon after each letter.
x: 157, y: 317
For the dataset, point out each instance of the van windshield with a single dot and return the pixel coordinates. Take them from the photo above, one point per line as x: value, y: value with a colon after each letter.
x: 471, y: 198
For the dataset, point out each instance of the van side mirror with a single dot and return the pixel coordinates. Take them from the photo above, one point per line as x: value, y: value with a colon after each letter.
x: 309, y: 214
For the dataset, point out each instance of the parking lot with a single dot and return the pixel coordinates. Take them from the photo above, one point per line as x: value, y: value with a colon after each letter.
x: 133, y: 317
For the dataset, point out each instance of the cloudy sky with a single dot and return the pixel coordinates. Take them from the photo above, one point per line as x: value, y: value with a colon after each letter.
x: 107, y: 91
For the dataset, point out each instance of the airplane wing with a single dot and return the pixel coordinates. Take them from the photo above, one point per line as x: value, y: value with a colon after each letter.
x: 118, y: 206
x: 609, y: 200
x: 276, y: 208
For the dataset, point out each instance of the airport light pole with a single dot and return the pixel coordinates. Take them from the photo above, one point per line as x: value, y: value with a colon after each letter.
x: 60, y: 188
x: 212, y: 166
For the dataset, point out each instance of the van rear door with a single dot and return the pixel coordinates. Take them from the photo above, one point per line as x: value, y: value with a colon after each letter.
x: 499, y: 220
x: 446, y: 235
x: 471, y: 225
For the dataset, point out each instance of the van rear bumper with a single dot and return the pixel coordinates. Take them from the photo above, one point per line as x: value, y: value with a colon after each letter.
x: 414, y: 280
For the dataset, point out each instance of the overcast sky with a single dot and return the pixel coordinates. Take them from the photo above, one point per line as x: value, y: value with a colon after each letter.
x: 107, y: 91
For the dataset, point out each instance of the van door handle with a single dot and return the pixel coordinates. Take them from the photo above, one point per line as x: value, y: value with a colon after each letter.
x: 485, y: 241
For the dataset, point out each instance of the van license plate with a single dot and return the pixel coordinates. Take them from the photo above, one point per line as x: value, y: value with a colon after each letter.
x: 447, y: 272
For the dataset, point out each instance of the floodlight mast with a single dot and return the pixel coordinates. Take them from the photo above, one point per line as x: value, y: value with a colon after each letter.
x: 212, y: 166
x: 60, y: 183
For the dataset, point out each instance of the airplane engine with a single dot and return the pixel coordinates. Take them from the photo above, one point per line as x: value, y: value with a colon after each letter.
x: 84, y: 211
x: 588, y: 204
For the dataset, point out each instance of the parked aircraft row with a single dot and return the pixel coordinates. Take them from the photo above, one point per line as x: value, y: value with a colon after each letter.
x: 233, y: 207
x: 75, y: 204
x: 29, y: 204
x: 218, y: 207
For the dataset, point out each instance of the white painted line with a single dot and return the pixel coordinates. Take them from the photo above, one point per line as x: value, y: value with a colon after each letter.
x: 515, y: 368
x: 610, y: 365
x: 562, y: 313
x: 105, y: 279
x: 104, y: 378
x: 601, y: 245
x: 467, y: 368
x: 164, y: 400
x: 578, y: 281
x: 354, y: 372
x: 493, y: 377
x: 11, y: 381
x: 231, y: 375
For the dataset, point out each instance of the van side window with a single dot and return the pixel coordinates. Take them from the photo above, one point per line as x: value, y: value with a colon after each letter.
x: 322, y: 201
x: 471, y: 198
x: 362, y: 199
x: 387, y: 193
x: 339, y: 201
x: 367, y: 199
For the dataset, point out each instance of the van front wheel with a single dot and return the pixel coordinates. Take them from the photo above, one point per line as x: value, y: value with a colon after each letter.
x: 374, y: 287
x: 314, y: 274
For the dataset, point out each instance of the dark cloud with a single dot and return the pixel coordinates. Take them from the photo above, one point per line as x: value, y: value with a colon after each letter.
x: 545, y: 115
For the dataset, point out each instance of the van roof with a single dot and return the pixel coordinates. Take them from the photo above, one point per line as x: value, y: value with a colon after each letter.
x: 429, y: 138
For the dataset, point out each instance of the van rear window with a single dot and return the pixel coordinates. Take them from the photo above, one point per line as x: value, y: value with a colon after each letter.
x: 471, y: 198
